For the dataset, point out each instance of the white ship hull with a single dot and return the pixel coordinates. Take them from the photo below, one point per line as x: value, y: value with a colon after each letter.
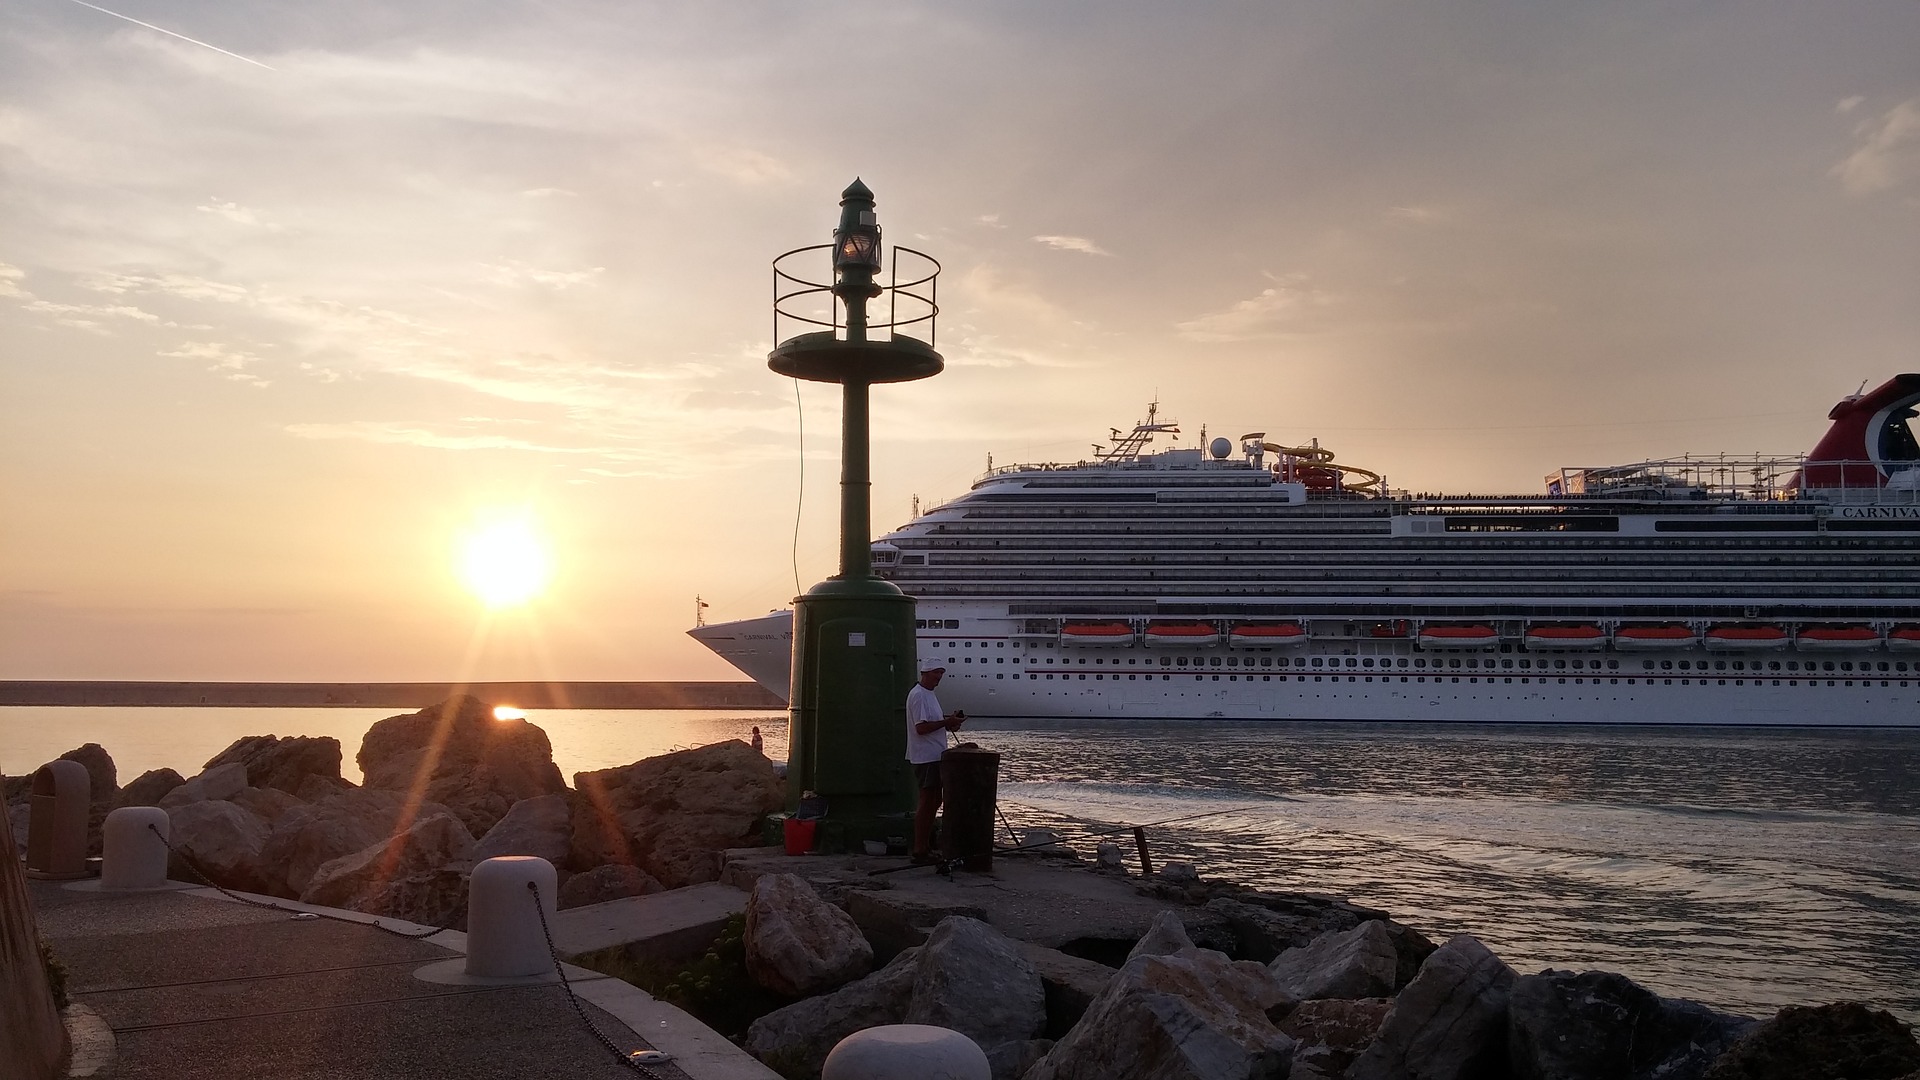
x: 997, y: 675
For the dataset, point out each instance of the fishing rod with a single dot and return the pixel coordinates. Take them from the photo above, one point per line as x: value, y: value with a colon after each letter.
x: 947, y: 866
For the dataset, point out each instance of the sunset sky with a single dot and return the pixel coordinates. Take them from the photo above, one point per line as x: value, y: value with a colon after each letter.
x: 297, y: 298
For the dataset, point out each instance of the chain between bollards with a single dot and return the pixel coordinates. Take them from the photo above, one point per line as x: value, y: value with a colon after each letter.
x: 187, y: 861
x: 624, y: 1057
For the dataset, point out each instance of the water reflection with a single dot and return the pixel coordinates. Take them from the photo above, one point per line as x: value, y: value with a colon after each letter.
x: 1748, y: 869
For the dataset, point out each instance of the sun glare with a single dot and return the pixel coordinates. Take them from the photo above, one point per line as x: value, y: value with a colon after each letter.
x: 504, y: 563
x: 508, y: 712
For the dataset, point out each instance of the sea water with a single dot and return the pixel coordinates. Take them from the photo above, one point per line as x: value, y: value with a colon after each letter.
x: 1748, y: 869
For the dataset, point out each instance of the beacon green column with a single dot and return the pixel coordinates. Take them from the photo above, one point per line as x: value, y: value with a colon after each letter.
x: 854, y: 645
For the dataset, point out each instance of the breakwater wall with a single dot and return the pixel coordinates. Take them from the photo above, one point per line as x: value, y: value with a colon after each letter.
x: 413, y: 695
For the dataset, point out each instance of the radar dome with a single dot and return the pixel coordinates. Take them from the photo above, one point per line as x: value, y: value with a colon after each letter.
x: 1220, y: 448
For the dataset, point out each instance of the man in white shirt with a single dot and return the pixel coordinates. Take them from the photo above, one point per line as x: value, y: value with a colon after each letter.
x: 927, y: 729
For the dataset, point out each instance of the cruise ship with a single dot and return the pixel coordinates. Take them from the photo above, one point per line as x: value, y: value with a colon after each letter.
x: 1261, y: 581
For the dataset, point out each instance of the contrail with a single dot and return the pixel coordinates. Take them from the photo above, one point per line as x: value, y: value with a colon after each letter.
x: 169, y: 33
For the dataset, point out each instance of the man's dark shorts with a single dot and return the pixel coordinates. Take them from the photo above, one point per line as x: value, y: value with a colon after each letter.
x: 926, y: 775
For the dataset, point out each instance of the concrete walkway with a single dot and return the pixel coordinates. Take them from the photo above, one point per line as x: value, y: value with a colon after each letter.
x: 198, y: 987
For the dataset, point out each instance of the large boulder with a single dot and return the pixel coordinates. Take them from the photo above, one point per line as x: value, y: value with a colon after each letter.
x: 604, y: 883
x: 17, y: 818
x: 1266, y: 925
x: 1071, y: 984
x: 1165, y: 937
x: 456, y: 754
x: 1448, y: 1024
x: 1331, y: 1033
x: 797, y: 1038
x: 419, y: 875
x: 306, y: 837
x: 220, y: 782
x: 103, y: 779
x: 1193, y: 1015
x: 671, y: 815
x: 1823, y: 1042
x: 798, y: 944
x: 1356, y: 963
x: 267, y: 804
x: 148, y: 788
x: 1597, y: 1025
x: 974, y: 980
x: 541, y: 827
x: 274, y: 762
x: 220, y: 840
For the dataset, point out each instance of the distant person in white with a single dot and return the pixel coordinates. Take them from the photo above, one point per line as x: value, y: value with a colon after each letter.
x: 927, y: 729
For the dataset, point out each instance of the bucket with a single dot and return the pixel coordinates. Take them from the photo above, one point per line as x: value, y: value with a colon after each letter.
x: 799, y: 835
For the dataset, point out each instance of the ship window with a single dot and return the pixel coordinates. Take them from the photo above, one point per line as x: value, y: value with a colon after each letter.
x: 1684, y: 665
x: 1317, y: 661
x: 1267, y: 661
x: 1525, y: 663
x: 1793, y: 665
x: 951, y: 660
x: 1739, y: 666
x: 1083, y: 676
x: 1420, y: 662
x: 1828, y: 666
x: 1845, y: 665
x: 1402, y: 662
x: 1351, y: 662
x: 1613, y: 665
x: 1647, y: 664
x: 1166, y: 661
x: 969, y: 644
x: 953, y: 624
x: 1182, y: 661
x: 1215, y: 661
x: 1233, y: 661
x: 1368, y: 662
x: 1666, y: 665
x: 1506, y: 663
x: 1299, y: 661
x: 1000, y: 645
x: 999, y: 659
x: 1453, y: 663
x: 1773, y: 665
x: 1099, y: 659
x: 1883, y: 665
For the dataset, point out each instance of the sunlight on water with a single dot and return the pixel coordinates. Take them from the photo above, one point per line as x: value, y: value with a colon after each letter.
x: 1745, y: 869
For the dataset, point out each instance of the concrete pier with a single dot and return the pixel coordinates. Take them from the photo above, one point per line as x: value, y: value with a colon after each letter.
x: 193, y: 986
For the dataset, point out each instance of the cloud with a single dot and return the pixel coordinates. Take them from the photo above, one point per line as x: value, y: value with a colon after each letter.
x: 1273, y: 311
x: 10, y: 278
x: 1847, y: 105
x: 1887, y: 153
x: 1420, y: 215
x: 550, y: 193
x: 224, y: 357
x: 1074, y: 243
x: 991, y: 221
x: 239, y: 215
x: 514, y: 273
x: 88, y: 316
x: 395, y: 433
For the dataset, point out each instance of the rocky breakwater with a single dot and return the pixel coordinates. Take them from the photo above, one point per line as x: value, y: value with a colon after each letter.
x: 1233, y: 984
x: 445, y: 788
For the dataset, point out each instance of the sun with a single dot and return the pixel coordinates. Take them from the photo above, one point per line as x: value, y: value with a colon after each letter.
x: 504, y: 563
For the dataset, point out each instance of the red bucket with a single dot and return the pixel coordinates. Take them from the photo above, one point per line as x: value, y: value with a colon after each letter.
x: 799, y: 836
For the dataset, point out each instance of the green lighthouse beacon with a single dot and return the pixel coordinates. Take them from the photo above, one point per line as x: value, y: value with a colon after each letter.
x: 854, y: 647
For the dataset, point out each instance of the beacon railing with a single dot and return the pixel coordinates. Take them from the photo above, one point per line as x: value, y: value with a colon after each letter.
x: 914, y: 303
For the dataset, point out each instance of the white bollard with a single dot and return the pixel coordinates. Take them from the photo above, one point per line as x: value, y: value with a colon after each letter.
x: 57, y: 821
x: 504, y: 939
x: 906, y: 1052
x: 131, y: 856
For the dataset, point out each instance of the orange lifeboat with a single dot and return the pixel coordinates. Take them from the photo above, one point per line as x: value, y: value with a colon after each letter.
x: 1458, y: 637
x: 1096, y: 633
x: 1566, y: 637
x: 1836, y: 639
x: 1904, y: 639
x: 1648, y: 638
x: 1396, y: 628
x: 1266, y: 635
x: 1183, y: 635
x: 1745, y: 638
